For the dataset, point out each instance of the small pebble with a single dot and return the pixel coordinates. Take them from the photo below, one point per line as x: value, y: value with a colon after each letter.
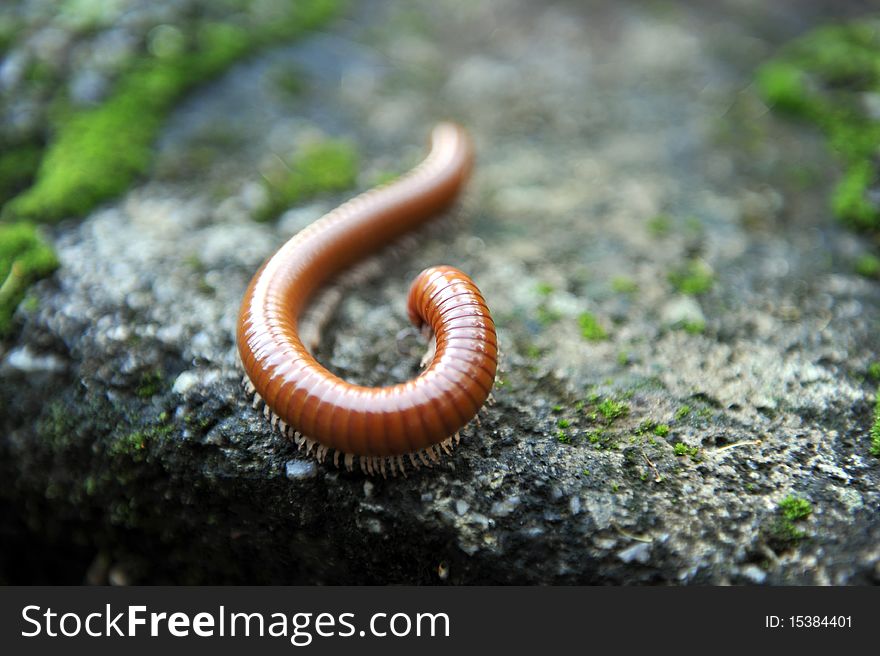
x: 638, y: 553
x: 300, y: 470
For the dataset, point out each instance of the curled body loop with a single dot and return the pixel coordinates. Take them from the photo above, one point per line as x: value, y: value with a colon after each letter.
x: 377, y: 426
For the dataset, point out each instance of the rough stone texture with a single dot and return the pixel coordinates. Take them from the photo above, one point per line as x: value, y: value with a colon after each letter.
x: 129, y: 453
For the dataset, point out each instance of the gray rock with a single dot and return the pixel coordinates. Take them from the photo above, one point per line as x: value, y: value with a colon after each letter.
x: 24, y: 360
x: 637, y: 553
x: 134, y: 447
x: 682, y: 310
x: 88, y: 87
x: 754, y: 574
x: 12, y: 68
x: 505, y: 507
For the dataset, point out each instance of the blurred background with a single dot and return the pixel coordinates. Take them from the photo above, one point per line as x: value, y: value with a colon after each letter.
x: 673, y: 217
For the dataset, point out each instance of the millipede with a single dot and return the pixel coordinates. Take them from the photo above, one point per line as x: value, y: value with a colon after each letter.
x: 379, y: 428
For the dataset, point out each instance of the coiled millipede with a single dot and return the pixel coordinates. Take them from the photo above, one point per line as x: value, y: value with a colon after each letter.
x: 375, y: 426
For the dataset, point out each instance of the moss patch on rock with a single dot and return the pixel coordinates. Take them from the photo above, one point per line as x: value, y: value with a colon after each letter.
x: 693, y: 278
x: 97, y: 152
x: 591, y: 329
x: 831, y: 77
x: 783, y: 530
x: 24, y: 258
x: 320, y: 167
x: 868, y: 266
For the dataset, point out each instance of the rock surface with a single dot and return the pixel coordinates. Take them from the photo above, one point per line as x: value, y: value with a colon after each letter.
x: 619, y: 146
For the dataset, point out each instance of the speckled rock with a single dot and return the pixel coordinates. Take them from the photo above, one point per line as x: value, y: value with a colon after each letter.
x: 657, y: 454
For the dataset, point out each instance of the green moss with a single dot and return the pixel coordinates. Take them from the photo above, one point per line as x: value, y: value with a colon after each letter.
x: 610, y: 410
x: 150, y: 384
x: 591, y: 329
x: 8, y: 29
x: 624, y: 285
x: 692, y: 278
x: 694, y: 327
x: 784, y: 85
x: 128, y: 444
x: 682, y: 449
x: 646, y: 426
x: 782, y: 531
x: 875, y: 430
x: 97, y: 152
x: 24, y: 258
x: 849, y: 200
x: 563, y: 437
x: 546, y: 316
x: 824, y: 77
x: 320, y: 167
x: 563, y: 423
x: 660, y: 225
x: 783, y: 534
x: 682, y: 413
x: 544, y: 288
x: 874, y: 371
x: 288, y: 79
x: 694, y: 226
x: 55, y: 425
x: 135, y: 444
x: 600, y: 438
x: 661, y: 430
x: 868, y: 266
x: 794, y: 508
x: 85, y: 426
x: 30, y: 303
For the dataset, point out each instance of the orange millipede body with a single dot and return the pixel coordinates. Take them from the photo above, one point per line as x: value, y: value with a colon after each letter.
x: 376, y: 426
